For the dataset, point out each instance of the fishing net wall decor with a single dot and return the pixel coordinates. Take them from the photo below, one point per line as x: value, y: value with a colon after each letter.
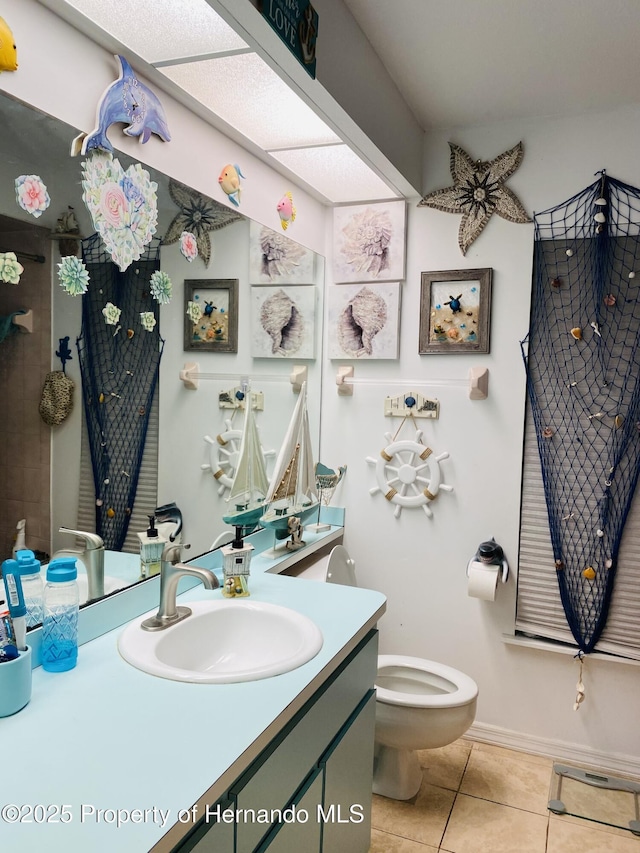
x: 583, y: 379
x: 119, y: 364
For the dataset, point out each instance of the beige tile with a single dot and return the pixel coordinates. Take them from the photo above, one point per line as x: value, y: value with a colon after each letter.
x: 421, y: 819
x: 513, y: 753
x: 566, y: 836
x: 384, y: 842
x: 445, y: 767
x: 521, y: 784
x: 478, y: 826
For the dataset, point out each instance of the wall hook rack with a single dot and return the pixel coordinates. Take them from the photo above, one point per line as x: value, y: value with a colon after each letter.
x: 477, y: 382
x: 191, y: 376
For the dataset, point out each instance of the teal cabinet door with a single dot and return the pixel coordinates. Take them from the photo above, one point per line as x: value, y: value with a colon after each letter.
x: 302, y: 834
x: 348, y: 774
x: 212, y: 837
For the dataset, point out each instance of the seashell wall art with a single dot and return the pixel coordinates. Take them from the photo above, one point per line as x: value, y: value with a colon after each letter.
x: 277, y: 259
x: 364, y: 320
x: 283, y: 322
x: 369, y: 242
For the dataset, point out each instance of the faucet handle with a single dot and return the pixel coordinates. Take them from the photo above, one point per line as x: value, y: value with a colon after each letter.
x: 92, y: 541
x: 172, y: 552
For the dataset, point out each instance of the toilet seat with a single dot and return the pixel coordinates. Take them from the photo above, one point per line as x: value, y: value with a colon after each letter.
x: 464, y: 691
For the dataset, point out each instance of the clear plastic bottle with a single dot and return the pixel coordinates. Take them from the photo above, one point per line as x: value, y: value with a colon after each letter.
x: 32, y: 586
x: 59, y: 650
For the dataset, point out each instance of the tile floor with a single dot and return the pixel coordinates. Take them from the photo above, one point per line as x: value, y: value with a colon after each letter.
x: 478, y: 798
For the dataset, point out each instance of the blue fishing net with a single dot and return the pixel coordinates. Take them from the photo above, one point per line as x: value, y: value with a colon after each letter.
x: 119, y: 365
x: 583, y: 379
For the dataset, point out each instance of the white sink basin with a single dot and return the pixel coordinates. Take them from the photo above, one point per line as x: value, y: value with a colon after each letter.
x: 224, y: 641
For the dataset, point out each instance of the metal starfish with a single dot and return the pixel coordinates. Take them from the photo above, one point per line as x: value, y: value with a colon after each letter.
x: 478, y: 192
x: 199, y: 215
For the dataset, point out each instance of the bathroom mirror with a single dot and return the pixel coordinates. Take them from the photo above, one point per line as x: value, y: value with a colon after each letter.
x: 40, y: 465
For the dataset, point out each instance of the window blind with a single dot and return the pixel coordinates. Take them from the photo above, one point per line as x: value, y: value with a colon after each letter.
x: 539, y: 609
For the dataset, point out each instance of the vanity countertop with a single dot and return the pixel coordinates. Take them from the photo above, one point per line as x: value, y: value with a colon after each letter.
x: 105, y: 736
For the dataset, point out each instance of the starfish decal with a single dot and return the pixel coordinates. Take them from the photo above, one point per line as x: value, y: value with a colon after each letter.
x: 478, y: 191
x: 199, y: 215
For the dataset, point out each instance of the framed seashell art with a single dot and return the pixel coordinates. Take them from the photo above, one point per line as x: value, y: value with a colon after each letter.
x: 211, y: 315
x: 283, y: 322
x: 275, y: 258
x: 369, y: 242
x: 364, y: 320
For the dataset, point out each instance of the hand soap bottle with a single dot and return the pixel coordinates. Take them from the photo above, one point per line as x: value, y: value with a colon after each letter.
x: 151, y: 545
x: 236, y: 559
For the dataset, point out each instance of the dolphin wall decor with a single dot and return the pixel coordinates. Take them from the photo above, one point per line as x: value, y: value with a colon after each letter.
x: 126, y: 101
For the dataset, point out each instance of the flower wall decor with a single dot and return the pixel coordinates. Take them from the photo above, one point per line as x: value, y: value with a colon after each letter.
x: 111, y: 314
x: 32, y: 195
x: 123, y: 206
x: 10, y: 268
x: 198, y: 215
x: 478, y: 192
x: 194, y: 311
x: 369, y: 242
x: 147, y: 320
x: 188, y: 246
x: 73, y: 275
x: 161, y: 287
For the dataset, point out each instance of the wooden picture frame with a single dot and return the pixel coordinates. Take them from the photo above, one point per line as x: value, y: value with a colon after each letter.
x: 217, y: 328
x: 455, y: 311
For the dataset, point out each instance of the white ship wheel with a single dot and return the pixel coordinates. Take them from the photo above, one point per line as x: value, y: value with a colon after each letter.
x: 408, y: 474
x: 223, y: 456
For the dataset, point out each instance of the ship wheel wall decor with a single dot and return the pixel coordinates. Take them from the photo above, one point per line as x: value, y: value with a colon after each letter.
x: 408, y: 474
x: 224, y: 451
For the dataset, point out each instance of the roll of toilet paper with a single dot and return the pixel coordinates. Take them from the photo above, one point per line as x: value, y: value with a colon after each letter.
x: 483, y: 581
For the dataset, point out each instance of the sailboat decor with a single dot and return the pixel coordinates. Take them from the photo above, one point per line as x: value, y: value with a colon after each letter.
x: 292, y: 493
x: 250, y: 482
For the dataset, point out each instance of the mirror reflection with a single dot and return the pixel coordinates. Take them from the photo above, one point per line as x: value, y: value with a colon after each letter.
x: 49, y: 470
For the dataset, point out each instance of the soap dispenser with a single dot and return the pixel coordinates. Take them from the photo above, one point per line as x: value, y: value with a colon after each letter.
x: 236, y: 559
x: 151, y: 545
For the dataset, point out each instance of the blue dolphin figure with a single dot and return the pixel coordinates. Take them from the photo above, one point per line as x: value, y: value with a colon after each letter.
x: 129, y: 101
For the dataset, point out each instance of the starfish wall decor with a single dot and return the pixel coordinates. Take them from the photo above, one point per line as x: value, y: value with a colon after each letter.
x: 478, y: 192
x: 198, y: 215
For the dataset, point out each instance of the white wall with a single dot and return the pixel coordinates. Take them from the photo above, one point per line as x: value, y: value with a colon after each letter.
x: 419, y: 563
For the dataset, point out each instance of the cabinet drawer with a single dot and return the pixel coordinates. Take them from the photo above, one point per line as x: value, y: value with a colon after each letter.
x: 274, y: 779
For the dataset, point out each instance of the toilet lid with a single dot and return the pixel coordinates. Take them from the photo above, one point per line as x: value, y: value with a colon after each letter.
x: 464, y: 689
x: 341, y: 568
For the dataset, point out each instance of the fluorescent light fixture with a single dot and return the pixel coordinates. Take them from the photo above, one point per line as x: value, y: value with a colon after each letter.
x: 158, y: 31
x: 336, y: 172
x: 248, y: 95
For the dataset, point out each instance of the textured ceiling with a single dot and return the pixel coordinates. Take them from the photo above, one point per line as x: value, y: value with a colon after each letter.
x: 467, y: 62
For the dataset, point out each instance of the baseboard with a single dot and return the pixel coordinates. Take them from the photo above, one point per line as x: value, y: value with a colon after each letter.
x: 556, y: 749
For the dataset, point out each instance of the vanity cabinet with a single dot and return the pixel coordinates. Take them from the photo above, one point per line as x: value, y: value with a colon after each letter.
x: 310, y: 789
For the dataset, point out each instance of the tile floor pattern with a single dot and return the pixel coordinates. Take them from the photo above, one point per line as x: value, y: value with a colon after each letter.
x: 478, y: 798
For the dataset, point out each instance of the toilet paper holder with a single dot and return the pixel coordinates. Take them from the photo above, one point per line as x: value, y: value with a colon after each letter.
x: 489, y: 553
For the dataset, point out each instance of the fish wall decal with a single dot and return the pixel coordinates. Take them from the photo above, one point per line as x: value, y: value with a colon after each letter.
x: 126, y: 101
x: 8, y: 52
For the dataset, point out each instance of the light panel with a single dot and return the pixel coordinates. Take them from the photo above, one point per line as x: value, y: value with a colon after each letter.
x: 336, y: 172
x: 248, y: 95
x: 160, y: 31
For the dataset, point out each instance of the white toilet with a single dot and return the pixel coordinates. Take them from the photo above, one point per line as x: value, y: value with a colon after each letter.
x: 420, y: 704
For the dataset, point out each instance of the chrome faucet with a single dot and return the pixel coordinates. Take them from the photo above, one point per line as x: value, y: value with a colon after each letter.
x: 171, y: 570
x: 93, y: 558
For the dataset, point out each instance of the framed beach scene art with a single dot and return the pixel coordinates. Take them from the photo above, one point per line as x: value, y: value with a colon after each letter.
x: 211, y: 315
x: 369, y: 242
x: 455, y: 311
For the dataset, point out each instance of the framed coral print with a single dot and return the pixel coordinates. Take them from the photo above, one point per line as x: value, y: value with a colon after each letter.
x: 364, y: 320
x: 455, y: 311
x: 211, y: 315
x: 369, y: 241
